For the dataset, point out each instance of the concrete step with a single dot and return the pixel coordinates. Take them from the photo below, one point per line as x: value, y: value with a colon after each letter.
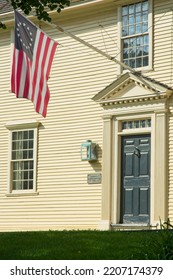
x: 132, y: 227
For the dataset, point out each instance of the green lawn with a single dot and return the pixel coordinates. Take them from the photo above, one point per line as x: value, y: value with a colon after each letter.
x: 86, y: 245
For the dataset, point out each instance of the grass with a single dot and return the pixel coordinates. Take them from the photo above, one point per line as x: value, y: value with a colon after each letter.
x: 86, y: 245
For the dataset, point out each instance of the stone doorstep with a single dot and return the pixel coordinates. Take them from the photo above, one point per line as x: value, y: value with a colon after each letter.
x: 132, y: 227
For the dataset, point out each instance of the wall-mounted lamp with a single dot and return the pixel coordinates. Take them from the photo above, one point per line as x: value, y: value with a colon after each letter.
x: 88, y: 151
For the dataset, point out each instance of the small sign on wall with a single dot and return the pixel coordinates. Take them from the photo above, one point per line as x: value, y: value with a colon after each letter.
x: 94, y: 178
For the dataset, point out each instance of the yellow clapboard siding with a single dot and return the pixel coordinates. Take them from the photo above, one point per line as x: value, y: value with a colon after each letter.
x: 65, y: 199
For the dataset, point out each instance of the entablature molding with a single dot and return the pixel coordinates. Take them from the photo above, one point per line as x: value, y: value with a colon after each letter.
x: 132, y: 88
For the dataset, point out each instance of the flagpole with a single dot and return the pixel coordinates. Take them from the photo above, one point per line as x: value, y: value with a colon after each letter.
x: 91, y: 46
x: 133, y: 71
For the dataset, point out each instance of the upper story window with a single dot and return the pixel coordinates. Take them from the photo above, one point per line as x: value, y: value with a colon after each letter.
x: 135, y: 34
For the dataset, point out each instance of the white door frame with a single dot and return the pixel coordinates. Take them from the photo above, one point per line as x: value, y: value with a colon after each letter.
x: 112, y: 161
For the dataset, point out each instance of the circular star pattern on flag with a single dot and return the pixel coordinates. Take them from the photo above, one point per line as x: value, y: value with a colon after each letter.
x: 24, y: 34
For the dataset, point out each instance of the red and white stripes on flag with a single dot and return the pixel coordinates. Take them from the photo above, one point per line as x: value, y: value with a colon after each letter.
x: 32, y: 59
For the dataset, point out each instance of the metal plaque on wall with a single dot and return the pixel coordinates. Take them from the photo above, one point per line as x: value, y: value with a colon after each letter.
x: 94, y: 178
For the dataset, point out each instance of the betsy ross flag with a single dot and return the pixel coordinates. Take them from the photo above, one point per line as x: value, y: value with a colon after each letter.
x: 32, y: 59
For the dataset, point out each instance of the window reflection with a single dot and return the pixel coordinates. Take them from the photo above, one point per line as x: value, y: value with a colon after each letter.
x: 146, y: 123
x: 135, y: 25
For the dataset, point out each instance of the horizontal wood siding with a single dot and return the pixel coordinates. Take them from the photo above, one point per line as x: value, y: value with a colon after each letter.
x: 170, y: 163
x: 163, y: 72
x: 162, y: 42
x: 65, y: 199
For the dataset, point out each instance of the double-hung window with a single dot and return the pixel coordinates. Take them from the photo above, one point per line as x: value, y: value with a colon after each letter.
x: 135, y: 34
x: 22, y: 158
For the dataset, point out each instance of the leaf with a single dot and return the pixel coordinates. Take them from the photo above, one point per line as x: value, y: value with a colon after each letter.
x: 42, y: 7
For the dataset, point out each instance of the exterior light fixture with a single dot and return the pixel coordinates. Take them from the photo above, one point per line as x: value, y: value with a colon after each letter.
x: 88, y: 151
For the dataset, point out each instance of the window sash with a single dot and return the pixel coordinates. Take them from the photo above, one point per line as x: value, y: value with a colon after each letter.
x: 22, y: 175
x: 22, y: 160
x: 136, y: 124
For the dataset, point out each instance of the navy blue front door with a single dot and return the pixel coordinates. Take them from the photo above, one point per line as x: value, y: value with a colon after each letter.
x: 135, y: 179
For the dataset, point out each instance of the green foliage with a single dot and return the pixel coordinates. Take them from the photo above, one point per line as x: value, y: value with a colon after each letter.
x: 40, y: 7
x: 160, y: 244
x: 165, y: 225
x: 160, y: 248
x: 3, y: 26
x: 86, y: 245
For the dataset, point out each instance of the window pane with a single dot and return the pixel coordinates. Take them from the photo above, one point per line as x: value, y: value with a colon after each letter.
x: 146, y: 40
x: 25, y: 155
x: 144, y: 27
x: 132, y: 42
x: 139, y: 41
x: 26, y: 175
x: 139, y: 62
x: 131, y: 19
x: 25, y: 134
x: 131, y: 30
x: 145, y: 6
x: 13, y: 155
x: 145, y: 61
x: 138, y: 18
x: 25, y: 165
x: 31, y: 134
x: 31, y: 164
x: 132, y: 63
x: 125, y: 10
x: 15, y: 145
x: 125, y: 54
x: 124, y: 125
x: 125, y: 20
x: 31, y: 175
x: 131, y: 9
x: 14, y: 135
x: 125, y: 31
x: 137, y: 124
x: 132, y: 52
x: 30, y: 153
x: 145, y: 17
x: 25, y: 185
x: 15, y: 175
x: 31, y: 184
x: 25, y: 144
x: 31, y: 144
x: 139, y: 52
x: 146, y: 50
x: 19, y: 135
x: 138, y: 28
x: 16, y: 165
x: 138, y: 7
x: 126, y: 43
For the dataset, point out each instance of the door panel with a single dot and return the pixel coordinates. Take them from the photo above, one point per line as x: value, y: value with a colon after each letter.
x: 135, y: 179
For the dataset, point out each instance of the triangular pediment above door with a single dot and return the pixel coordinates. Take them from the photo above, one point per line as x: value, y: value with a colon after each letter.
x: 132, y: 87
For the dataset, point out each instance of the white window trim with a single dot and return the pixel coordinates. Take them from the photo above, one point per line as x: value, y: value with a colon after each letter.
x: 22, y: 125
x: 150, y: 32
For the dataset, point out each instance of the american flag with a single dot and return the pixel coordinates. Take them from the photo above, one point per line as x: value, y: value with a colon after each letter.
x: 32, y: 59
